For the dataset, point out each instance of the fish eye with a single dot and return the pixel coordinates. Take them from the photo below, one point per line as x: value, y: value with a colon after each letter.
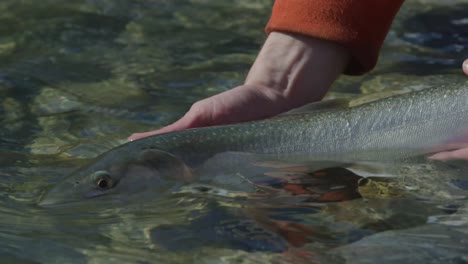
x: 103, y: 180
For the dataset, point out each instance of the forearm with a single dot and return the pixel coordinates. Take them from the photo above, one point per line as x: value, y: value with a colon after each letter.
x: 358, y: 25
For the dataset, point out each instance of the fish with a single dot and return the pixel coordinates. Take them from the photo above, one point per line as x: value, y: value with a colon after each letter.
x: 390, y: 129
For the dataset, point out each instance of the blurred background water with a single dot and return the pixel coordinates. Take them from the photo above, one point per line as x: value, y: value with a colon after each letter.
x: 78, y: 77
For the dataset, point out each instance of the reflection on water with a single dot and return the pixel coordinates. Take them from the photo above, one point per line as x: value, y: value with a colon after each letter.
x: 77, y: 78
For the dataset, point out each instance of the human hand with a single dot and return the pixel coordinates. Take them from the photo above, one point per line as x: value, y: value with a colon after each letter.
x: 459, y: 154
x: 465, y: 66
x: 291, y: 70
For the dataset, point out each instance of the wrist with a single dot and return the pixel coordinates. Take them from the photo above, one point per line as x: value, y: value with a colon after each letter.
x: 296, y: 69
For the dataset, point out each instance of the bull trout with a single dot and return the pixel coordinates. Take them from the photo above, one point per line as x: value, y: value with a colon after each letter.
x: 416, y: 123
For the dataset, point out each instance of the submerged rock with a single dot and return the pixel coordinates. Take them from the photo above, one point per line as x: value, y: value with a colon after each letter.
x: 430, y: 243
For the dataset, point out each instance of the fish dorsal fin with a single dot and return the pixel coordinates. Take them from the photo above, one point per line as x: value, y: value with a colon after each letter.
x: 318, y: 107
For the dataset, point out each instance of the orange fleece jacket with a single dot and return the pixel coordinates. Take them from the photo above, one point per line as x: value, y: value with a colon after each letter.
x: 358, y: 25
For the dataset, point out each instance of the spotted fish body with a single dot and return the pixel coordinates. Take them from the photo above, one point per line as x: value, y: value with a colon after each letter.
x: 389, y: 129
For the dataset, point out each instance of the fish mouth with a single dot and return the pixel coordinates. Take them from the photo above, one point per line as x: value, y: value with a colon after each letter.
x: 53, y: 198
x: 47, y: 201
x: 71, y: 194
x: 58, y: 195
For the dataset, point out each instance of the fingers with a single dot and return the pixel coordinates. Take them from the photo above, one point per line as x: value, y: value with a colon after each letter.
x: 180, y: 124
x: 448, y: 155
x: 198, y: 116
x: 136, y: 136
x: 465, y: 66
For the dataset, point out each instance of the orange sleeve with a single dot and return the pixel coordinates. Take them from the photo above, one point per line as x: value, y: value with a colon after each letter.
x: 358, y: 25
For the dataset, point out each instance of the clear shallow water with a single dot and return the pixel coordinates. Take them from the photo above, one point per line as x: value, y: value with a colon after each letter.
x: 77, y: 78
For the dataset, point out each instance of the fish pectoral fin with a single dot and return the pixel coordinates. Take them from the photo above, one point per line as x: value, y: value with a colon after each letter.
x: 165, y: 163
x: 317, y: 107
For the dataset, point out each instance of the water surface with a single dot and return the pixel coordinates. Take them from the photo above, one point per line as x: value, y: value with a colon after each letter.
x: 78, y: 77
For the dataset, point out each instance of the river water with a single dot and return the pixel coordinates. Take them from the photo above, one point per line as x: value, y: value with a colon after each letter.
x: 78, y: 77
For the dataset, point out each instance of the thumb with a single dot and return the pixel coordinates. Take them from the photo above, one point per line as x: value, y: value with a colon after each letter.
x: 197, y: 116
x: 180, y: 124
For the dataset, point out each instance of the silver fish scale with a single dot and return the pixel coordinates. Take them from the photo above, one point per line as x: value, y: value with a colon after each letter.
x: 413, y: 120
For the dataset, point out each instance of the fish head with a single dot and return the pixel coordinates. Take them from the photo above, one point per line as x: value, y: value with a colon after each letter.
x: 119, y: 176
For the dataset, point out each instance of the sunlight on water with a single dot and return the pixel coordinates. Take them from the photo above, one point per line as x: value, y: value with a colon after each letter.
x: 78, y: 77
